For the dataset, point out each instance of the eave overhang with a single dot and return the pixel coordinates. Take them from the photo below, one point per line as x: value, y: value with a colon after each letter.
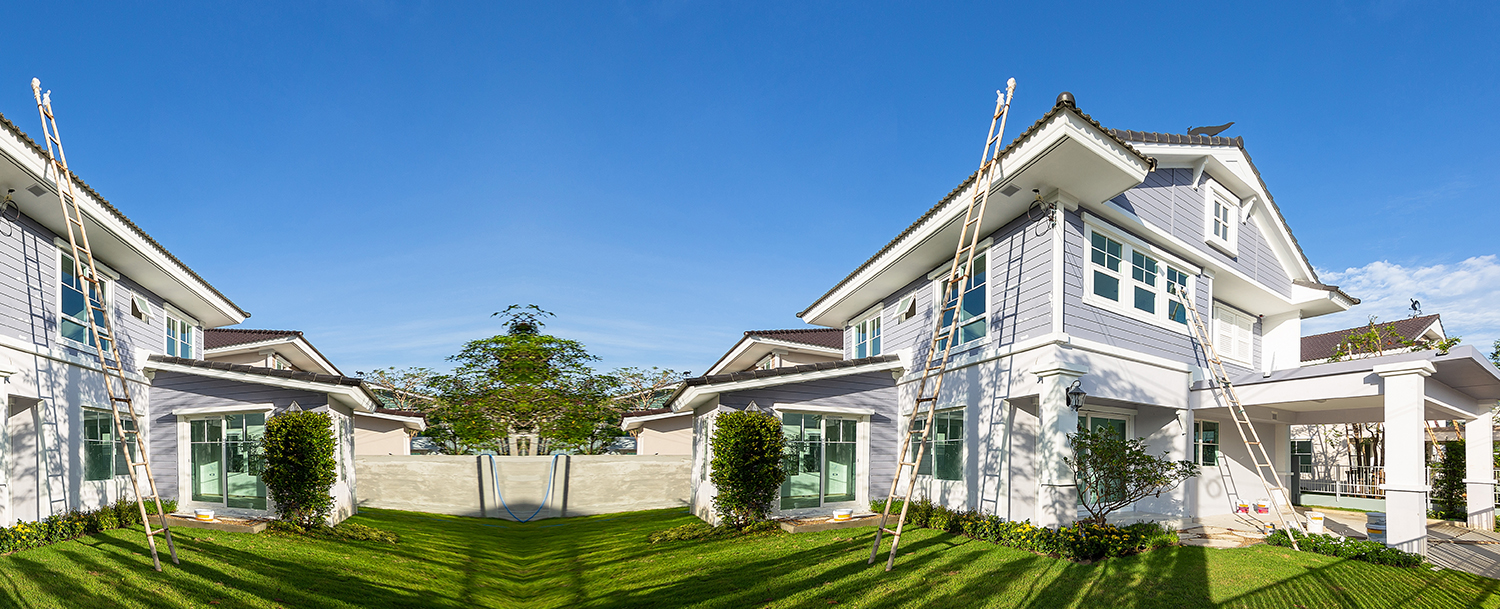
x: 752, y: 349
x: 1066, y: 155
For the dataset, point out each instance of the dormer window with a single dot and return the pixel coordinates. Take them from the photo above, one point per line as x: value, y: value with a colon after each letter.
x: 1222, y: 211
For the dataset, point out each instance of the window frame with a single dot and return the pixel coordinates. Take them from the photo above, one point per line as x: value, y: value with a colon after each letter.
x: 117, y: 440
x: 1212, y: 193
x: 167, y: 340
x: 862, y: 327
x: 939, y: 279
x: 1296, y: 456
x: 1198, y: 442
x: 107, y: 286
x: 929, y: 457
x: 1219, y: 344
x: 1166, y: 264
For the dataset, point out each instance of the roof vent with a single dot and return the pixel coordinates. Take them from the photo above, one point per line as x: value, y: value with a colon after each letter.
x: 1066, y: 99
x: 36, y: 190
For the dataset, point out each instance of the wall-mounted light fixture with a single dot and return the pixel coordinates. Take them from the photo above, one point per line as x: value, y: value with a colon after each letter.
x: 1076, y: 395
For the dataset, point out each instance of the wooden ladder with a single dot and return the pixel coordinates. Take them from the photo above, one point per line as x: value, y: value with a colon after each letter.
x: 1227, y: 394
x: 942, y: 340
x: 101, y: 330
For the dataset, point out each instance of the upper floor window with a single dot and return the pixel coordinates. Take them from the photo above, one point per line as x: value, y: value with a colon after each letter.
x: 280, y: 363
x: 1145, y: 288
x: 179, y: 338
x: 74, y: 321
x: 1234, y: 335
x: 867, y: 337
x: 1222, y: 210
x: 972, y: 306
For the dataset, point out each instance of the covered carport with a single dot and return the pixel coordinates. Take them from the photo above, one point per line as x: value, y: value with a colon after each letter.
x: 1403, y: 391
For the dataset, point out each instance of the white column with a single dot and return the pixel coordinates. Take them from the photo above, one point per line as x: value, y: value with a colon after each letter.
x: 1479, y: 457
x: 1405, y: 474
x: 1057, y: 488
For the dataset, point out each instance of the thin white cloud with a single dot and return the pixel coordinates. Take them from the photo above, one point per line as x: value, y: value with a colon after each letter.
x: 1466, y: 294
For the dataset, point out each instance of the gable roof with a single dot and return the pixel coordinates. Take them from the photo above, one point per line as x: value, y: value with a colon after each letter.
x: 832, y: 338
x: 1064, y: 104
x: 1319, y: 347
x: 352, y: 390
x: 787, y: 374
x: 218, y: 338
x: 118, y: 216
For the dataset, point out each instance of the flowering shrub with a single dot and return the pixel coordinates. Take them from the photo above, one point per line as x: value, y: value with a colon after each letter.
x: 1083, y: 541
x: 1343, y: 547
x: 72, y: 525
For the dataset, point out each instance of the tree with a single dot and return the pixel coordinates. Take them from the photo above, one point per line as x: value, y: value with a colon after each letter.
x: 1377, y: 338
x: 1448, y: 488
x: 748, y: 466
x: 528, y: 384
x: 1113, y: 472
x: 402, y: 388
x: 1495, y: 355
x: 645, y: 388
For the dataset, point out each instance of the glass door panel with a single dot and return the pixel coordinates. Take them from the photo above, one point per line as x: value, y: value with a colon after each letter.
x: 839, y: 446
x: 243, y: 461
x: 207, y: 460
x: 1116, y: 427
x: 804, y: 460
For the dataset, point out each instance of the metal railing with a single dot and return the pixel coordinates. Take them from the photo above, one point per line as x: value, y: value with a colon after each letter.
x: 1345, y: 480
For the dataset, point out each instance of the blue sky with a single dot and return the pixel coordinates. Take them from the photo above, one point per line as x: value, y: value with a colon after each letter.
x: 665, y: 175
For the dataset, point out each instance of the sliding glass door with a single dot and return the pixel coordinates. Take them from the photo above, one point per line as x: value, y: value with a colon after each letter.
x: 226, y: 460
x: 821, y: 460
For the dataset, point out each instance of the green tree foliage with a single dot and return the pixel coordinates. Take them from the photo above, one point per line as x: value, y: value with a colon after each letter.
x: 748, y: 466
x: 300, y: 468
x: 1378, y: 338
x: 1495, y: 355
x: 1113, y: 472
x: 1448, y: 487
x: 525, y: 381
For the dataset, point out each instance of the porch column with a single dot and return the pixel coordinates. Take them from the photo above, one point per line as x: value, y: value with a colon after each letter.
x: 1405, y: 474
x: 1479, y: 449
x: 1057, y: 488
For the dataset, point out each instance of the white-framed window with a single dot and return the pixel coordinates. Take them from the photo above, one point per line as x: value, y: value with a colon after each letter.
x: 907, y: 309
x: 867, y: 337
x: 140, y: 308
x: 102, y: 459
x: 944, y: 458
x: 73, y: 323
x: 280, y: 363
x: 1206, y: 443
x: 1129, y: 277
x: 1221, y: 217
x: 1234, y: 335
x: 179, y: 338
x: 972, y: 314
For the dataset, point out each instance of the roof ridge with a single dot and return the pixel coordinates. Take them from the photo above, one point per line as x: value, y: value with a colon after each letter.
x: 754, y: 332
x: 253, y: 330
x: 1158, y: 137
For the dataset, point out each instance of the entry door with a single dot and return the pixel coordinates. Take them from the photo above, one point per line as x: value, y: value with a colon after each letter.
x: 1117, y: 427
x: 821, y: 460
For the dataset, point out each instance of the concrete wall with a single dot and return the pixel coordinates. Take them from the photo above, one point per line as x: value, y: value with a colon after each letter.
x: 465, y: 485
x: 672, y: 436
x: 374, y: 436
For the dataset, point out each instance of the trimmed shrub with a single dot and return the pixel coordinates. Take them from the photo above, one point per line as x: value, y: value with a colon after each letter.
x: 1083, y: 541
x: 300, y: 468
x: 1343, y: 547
x: 748, y: 466
x: 1448, y: 488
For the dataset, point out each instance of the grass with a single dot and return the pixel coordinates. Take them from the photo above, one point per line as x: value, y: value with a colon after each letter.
x: 604, y: 561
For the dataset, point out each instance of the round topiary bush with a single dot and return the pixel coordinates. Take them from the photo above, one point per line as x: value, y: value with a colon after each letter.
x: 300, y: 467
x: 747, y: 467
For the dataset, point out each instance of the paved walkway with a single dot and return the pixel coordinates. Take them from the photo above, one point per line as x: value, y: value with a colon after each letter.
x: 1462, y: 549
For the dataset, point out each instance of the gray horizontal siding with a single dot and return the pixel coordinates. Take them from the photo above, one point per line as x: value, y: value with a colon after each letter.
x: 1168, y: 199
x: 173, y: 390
x: 875, y: 391
x: 1018, y: 277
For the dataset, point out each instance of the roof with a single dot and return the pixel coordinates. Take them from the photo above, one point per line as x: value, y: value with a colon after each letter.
x: 331, y: 379
x: 1057, y: 108
x: 416, y: 414
x: 646, y: 413
x: 120, y: 215
x: 218, y: 338
x: 716, y: 379
x: 1151, y: 137
x: 1321, y: 346
x: 832, y: 338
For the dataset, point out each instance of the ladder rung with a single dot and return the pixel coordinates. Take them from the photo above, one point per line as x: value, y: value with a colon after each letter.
x: 891, y: 531
x: 931, y: 399
x: 904, y: 463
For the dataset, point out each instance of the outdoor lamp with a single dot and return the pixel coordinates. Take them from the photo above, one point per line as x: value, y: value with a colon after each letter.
x: 1076, y: 395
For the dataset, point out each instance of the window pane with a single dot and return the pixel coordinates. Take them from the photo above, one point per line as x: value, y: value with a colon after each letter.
x: 973, y: 330
x: 875, y: 345
x: 1177, y: 312
x: 1106, y: 286
x: 1210, y: 434
x: 973, y: 305
x: 948, y: 445
x: 1145, y: 300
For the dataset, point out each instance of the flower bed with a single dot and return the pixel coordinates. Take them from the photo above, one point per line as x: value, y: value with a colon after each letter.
x: 1083, y: 541
x: 26, y: 535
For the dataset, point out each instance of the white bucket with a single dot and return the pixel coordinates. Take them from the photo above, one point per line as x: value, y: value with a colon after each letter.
x: 1376, y: 532
x: 1375, y: 517
x: 204, y: 515
x: 1242, y: 508
x: 842, y: 515
x: 1267, y: 528
x: 1315, y: 522
x: 1263, y: 507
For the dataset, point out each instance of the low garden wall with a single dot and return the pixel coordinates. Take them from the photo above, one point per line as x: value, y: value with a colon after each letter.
x: 466, y: 485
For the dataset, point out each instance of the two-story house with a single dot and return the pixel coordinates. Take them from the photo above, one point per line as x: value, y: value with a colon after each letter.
x: 60, y: 449
x: 1087, y: 228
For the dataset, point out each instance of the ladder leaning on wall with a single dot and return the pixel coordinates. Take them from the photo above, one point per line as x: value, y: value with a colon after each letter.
x: 1227, y: 395
x: 942, y: 340
x: 101, y: 331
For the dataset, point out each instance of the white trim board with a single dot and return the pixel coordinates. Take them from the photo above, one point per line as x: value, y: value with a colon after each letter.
x: 206, y: 410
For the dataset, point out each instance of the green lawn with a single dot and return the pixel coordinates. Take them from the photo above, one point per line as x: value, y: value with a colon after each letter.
x: 603, y: 561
